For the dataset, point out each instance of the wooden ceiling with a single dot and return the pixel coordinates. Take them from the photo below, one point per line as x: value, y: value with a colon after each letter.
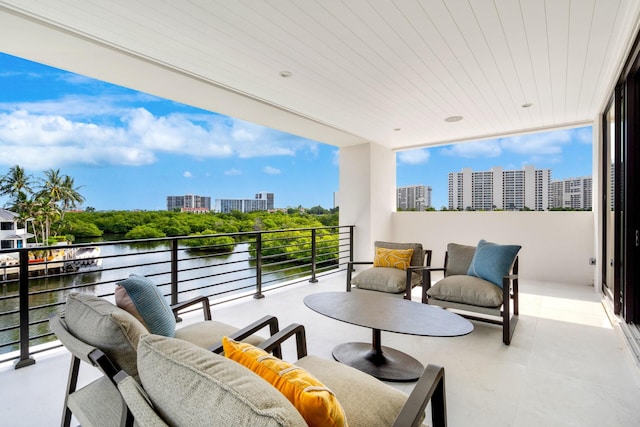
x: 389, y: 72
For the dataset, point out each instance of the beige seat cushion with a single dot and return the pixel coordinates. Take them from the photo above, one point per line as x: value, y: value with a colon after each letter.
x: 107, y: 413
x: 190, y: 386
x: 467, y: 290
x: 367, y: 402
x: 385, y: 279
x: 207, y: 333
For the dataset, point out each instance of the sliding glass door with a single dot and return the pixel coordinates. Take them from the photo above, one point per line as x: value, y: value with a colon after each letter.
x: 621, y: 194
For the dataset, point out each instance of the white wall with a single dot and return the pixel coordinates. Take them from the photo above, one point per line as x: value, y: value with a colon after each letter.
x: 367, y: 194
x: 556, y: 246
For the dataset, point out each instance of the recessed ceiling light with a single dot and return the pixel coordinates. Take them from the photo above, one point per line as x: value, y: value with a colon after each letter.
x: 527, y: 105
x: 452, y: 119
x: 285, y: 74
x: 397, y: 129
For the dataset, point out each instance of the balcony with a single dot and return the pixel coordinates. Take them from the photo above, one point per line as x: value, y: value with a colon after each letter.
x: 568, y: 363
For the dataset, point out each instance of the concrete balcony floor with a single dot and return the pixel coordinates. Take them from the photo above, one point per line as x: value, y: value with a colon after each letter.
x: 568, y: 364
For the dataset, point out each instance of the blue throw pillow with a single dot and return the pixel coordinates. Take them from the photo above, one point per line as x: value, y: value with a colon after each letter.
x: 141, y: 297
x: 492, y: 262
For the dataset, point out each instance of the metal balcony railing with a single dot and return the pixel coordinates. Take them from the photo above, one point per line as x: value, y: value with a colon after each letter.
x: 219, y: 266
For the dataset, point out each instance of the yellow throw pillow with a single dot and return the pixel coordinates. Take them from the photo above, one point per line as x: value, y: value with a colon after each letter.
x: 394, y: 258
x: 315, y: 402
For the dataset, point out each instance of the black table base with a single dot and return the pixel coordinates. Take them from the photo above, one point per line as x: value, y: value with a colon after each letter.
x: 384, y: 363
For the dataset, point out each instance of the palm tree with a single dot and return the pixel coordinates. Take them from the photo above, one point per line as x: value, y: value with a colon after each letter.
x: 52, y: 185
x: 26, y: 211
x: 17, y: 185
x: 62, y: 195
x: 71, y: 197
x: 46, y: 213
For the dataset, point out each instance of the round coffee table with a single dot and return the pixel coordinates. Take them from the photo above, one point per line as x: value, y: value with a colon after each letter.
x: 382, y: 312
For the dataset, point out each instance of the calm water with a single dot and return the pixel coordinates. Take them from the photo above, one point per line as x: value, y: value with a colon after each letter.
x: 230, y: 273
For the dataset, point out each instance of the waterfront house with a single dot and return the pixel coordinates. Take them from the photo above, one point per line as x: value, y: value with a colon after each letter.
x: 377, y: 77
x: 11, y: 235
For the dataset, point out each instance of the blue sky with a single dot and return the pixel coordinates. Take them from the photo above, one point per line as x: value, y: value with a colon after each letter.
x: 129, y: 150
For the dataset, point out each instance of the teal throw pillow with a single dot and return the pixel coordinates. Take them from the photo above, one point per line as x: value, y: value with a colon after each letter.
x: 141, y: 297
x: 492, y: 262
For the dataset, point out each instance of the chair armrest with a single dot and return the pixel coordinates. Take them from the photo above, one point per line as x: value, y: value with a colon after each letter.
x: 206, y: 308
x: 360, y: 262
x: 240, y: 334
x: 350, y: 265
x: 133, y: 396
x: 426, y: 279
x: 430, y: 387
x: 276, y: 340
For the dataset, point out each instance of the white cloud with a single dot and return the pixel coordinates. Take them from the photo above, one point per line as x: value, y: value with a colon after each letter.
x: 119, y: 135
x: 243, y: 135
x: 187, y: 174
x: 473, y: 149
x: 414, y: 157
x: 233, y: 172
x: 271, y: 170
x: 537, y: 144
x: 583, y: 135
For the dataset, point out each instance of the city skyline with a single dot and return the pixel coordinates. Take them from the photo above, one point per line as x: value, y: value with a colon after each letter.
x: 129, y: 150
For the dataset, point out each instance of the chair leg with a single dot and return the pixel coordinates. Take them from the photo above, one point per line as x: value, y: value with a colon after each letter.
x: 509, y: 321
x: 439, y: 405
x: 72, y: 382
x: 516, y: 309
x: 349, y: 274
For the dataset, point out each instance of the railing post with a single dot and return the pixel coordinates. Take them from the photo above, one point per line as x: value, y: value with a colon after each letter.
x: 174, y: 271
x: 313, y: 257
x: 351, y: 243
x: 24, y: 360
x: 258, y: 293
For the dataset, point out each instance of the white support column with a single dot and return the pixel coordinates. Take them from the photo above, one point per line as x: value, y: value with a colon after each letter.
x: 597, y: 187
x: 367, y: 194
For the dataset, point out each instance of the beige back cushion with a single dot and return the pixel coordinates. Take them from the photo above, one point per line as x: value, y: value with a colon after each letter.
x: 101, y: 324
x: 417, y: 259
x: 459, y: 259
x: 190, y: 386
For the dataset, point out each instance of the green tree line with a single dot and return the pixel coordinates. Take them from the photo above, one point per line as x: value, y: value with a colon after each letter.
x: 291, y: 245
x: 157, y: 224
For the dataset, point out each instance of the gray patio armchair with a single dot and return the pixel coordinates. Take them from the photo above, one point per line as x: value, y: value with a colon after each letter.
x: 397, y: 268
x: 490, y: 295
x: 180, y: 385
x: 105, y: 336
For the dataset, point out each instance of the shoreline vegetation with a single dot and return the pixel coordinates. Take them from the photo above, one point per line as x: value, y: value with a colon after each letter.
x: 135, y: 225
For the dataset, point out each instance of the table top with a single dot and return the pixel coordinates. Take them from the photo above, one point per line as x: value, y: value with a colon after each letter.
x: 386, y: 313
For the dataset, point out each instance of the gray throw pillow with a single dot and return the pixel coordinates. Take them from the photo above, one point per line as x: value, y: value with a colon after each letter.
x: 459, y: 258
x: 101, y: 324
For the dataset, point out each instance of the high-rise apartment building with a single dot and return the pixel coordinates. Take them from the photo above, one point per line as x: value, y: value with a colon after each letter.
x: 572, y: 193
x: 500, y: 189
x: 261, y: 202
x: 268, y: 197
x: 189, y: 203
x: 414, y: 197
